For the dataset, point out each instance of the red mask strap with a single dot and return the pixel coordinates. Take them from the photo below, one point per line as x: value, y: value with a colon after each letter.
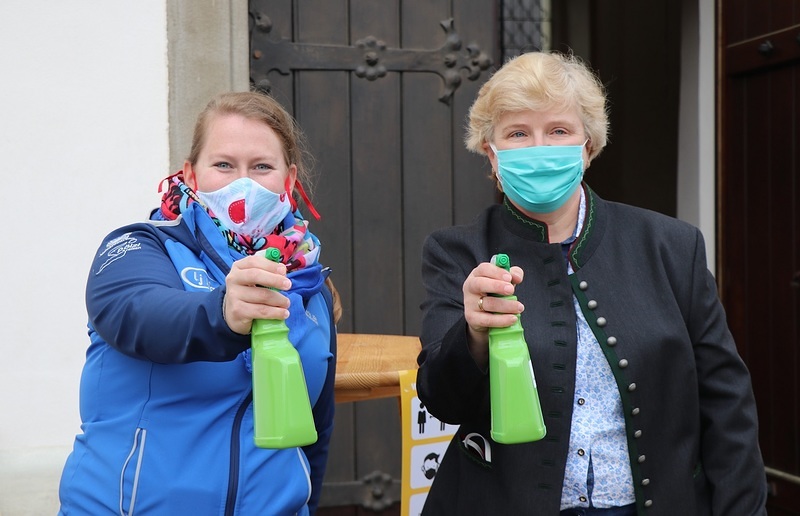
x: 304, y: 196
x: 168, y: 179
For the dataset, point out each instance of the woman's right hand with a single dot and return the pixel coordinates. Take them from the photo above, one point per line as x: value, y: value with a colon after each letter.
x: 483, y: 310
x: 250, y: 293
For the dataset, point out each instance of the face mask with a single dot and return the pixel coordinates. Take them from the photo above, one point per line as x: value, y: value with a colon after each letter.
x: 540, y: 179
x: 247, y: 208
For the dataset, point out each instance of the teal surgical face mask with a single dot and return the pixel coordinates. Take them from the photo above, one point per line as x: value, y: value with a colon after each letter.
x: 540, y: 179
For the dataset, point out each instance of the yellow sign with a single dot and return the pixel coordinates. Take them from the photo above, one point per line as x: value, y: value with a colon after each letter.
x: 425, y: 440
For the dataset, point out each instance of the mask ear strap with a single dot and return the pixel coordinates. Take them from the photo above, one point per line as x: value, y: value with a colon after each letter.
x: 168, y: 179
x: 303, y: 195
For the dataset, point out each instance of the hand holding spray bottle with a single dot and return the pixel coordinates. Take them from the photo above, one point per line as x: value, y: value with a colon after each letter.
x: 281, y: 408
x: 516, y: 412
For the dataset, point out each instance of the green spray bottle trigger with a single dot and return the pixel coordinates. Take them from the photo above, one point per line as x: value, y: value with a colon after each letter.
x: 515, y: 408
x: 282, y: 415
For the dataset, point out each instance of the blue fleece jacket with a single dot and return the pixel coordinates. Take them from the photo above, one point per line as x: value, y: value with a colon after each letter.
x: 166, y: 390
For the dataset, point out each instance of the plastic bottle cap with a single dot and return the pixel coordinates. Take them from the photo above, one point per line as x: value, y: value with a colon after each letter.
x: 273, y: 254
x: 501, y: 260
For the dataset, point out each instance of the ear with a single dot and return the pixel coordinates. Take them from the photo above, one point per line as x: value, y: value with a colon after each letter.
x: 487, y: 149
x: 291, y: 178
x: 587, y: 153
x: 189, y: 176
x: 492, y: 158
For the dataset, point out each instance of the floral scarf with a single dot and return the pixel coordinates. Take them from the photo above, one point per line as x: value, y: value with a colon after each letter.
x: 298, y: 246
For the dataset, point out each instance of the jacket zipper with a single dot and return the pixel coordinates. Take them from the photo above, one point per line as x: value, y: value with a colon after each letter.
x: 233, y: 472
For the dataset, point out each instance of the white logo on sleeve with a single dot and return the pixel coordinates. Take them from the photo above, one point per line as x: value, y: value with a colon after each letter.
x: 118, y: 248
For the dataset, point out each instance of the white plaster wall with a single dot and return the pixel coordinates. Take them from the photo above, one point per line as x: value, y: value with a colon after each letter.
x: 83, y: 143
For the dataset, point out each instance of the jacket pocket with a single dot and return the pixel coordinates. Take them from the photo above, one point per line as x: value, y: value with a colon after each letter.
x: 129, y: 475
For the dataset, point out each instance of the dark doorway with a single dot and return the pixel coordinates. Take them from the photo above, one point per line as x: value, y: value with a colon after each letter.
x: 382, y: 91
x: 760, y: 221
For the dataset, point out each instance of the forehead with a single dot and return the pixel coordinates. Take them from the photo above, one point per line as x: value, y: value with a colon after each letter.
x: 229, y: 124
x: 228, y: 131
x: 539, y: 118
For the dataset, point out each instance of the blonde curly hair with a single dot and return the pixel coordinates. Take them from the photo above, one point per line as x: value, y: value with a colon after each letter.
x: 540, y: 81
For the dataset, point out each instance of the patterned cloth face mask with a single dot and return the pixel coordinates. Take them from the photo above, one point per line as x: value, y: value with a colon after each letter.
x: 540, y: 179
x: 247, y: 208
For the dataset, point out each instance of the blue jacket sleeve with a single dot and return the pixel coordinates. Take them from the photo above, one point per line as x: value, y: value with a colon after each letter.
x: 323, y: 411
x: 136, y: 302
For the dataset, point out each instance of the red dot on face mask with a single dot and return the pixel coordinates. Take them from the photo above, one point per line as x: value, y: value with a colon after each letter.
x: 236, y: 211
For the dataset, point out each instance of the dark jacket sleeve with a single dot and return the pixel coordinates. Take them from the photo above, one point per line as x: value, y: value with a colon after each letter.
x: 449, y: 382
x: 323, y: 411
x: 137, y: 304
x: 731, y: 458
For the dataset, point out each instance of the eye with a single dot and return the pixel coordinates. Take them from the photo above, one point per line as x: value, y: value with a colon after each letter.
x: 559, y: 132
x: 517, y: 134
x: 223, y: 165
x: 263, y: 167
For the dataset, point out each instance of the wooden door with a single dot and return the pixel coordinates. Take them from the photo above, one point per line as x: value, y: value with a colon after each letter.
x: 382, y: 91
x: 759, y: 219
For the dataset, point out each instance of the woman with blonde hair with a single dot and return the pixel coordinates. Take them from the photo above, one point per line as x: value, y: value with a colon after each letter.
x: 648, y: 408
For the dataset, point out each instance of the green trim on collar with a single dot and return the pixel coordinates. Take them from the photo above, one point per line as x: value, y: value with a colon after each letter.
x: 588, y: 224
x: 539, y: 228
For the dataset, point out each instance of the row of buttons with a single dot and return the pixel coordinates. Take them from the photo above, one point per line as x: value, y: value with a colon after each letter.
x: 623, y: 363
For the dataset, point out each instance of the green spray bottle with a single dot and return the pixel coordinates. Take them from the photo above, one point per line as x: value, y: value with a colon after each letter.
x: 516, y: 412
x: 281, y: 408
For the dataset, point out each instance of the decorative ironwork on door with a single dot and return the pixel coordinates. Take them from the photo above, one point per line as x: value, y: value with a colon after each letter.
x: 369, y: 59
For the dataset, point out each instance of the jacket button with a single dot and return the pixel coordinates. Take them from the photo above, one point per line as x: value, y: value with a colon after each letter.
x: 648, y: 503
x: 592, y: 304
x: 611, y: 341
x: 646, y: 482
x: 631, y: 387
x: 635, y: 411
x: 641, y: 459
x: 583, y: 285
x: 637, y: 434
x: 623, y: 363
x: 601, y: 321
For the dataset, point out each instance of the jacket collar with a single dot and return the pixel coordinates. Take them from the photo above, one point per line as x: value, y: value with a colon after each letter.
x: 587, y: 240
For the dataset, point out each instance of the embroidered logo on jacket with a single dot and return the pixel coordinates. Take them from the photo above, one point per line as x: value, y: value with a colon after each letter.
x: 196, y: 278
x: 118, y: 248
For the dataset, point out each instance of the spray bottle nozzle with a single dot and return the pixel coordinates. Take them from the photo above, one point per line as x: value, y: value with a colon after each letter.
x: 502, y: 261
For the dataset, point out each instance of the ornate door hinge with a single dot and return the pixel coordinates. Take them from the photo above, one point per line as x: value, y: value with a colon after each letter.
x: 369, y: 59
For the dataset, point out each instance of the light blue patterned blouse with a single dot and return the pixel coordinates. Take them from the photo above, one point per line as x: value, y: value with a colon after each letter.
x: 598, y: 473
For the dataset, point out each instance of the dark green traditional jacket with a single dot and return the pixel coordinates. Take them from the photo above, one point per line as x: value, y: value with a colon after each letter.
x: 643, y: 285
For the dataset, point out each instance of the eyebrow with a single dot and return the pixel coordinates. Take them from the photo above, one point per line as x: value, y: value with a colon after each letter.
x: 556, y: 122
x: 228, y: 157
